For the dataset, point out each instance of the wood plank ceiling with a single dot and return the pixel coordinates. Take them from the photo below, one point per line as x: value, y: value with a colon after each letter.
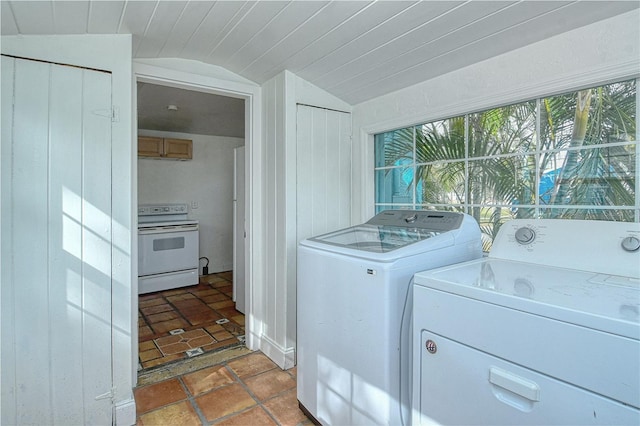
x: 356, y: 50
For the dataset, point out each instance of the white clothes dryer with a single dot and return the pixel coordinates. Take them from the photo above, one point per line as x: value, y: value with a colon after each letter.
x: 545, y: 330
x: 352, y: 288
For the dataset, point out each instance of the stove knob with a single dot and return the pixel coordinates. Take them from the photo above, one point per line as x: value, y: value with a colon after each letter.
x: 525, y: 235
x: 631, y: 244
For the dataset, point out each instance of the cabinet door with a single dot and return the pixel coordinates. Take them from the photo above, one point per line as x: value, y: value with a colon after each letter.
x: 150, y: 146
x: 178, y: 148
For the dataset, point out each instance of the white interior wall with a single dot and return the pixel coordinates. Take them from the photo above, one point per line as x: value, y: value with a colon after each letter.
x: 281, y: 95
x: 111, y: 53
x: 204, y: 182
x: 606, y: 51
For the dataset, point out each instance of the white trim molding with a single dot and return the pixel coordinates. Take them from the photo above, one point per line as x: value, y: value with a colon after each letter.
x: 283, y: 357
x: 211, y: 79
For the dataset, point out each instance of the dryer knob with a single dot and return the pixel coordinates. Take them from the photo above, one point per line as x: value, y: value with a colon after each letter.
x: 631, y: 244
x: 525, y: 235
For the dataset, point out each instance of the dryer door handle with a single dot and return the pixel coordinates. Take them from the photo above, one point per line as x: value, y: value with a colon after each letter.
x: 513, y: 383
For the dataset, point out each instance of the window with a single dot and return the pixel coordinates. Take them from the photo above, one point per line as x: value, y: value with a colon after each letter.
x: 570, y: 156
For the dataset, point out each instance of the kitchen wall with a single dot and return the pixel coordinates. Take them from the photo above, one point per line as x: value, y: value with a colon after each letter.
x: 205, y: 183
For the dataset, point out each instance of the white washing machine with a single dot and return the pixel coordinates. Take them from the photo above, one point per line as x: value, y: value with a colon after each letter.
x: 352, y: 288
x: 545, y: 330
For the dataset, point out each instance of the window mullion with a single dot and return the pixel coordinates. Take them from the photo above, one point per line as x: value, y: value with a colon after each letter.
x: 467, y: 209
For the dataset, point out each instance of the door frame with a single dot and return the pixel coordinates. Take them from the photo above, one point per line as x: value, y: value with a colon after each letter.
x: 215, y: 80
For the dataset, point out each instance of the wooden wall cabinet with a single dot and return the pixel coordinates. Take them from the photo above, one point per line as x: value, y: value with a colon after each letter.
x: 154, y: 147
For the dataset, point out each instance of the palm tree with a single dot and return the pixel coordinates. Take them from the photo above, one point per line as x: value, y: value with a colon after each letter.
x: 590, y: 174
x: 503, y: 173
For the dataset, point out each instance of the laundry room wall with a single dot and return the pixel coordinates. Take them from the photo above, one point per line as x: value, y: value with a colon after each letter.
x: 282, y: 186
x: 205, y: 183
x: 595, y: 54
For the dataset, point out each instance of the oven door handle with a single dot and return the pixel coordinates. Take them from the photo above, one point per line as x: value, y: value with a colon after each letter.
x: 167, y: 229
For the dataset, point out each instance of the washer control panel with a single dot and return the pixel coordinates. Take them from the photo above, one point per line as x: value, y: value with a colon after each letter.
x: 419, y: 219
x: 525, y: 235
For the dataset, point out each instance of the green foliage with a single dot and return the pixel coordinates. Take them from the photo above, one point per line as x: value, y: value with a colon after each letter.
x: 587, y: 150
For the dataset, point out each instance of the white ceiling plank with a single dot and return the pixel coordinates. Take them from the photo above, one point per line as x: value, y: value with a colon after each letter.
x: 8, y: 23
x: 70, y: 17
x: 240, y: 34
x: 343, y: 77
x: 467, y: 19
x: 324, y: 21
x: 355, y: 50
x: 136, y: 19
x: 283, y: 24
x: 33, y: 17
x: 160, y: 28
x: 211, y: 30
x: 189, y: 21
x: 348, y: 29
x: 568, y: 17
x: 105, y: 17
x: 397, y: 26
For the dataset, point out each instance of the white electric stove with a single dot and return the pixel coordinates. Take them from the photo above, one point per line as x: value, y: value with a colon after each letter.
x: 545, y: 330
x: 168, y: 247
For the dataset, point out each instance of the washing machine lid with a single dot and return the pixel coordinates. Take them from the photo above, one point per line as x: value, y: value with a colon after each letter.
x: 376, y: 239
x: 604, y: 302
x: 393, y: 229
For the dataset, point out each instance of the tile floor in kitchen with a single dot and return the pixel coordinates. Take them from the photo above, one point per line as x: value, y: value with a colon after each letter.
x: 226, y: 383
x: 178, y: 323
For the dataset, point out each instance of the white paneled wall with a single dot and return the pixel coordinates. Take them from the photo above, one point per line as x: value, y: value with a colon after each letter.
x: 323, y: 171
x: 311, y: 172
x: 102, y: 258
x: 57, y: 229
x: 274, y: 341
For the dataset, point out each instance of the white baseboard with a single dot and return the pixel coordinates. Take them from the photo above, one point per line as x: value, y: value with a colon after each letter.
x: 126, y: 412
x: 283, y: 357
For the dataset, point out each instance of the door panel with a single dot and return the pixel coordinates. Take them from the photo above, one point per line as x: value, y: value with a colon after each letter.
x: 57, y: 232
x: 323, y: 171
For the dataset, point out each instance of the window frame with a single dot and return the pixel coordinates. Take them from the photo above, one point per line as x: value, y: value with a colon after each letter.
x: 538, y: 206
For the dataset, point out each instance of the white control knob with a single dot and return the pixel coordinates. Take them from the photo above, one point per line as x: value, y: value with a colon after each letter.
x: 631, y: 244
x: 525, y: 235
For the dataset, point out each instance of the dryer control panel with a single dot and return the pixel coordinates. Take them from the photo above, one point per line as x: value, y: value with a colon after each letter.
x: 589, y: 245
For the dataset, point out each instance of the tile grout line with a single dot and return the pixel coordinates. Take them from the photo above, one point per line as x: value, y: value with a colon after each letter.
x: 192, y: 400
x: 255, y: 398
x: 236, y: 380
x: 179, y: 313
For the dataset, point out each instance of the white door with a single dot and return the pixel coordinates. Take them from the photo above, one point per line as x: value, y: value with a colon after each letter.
x: 56, y: 229
x: 239, y: 235
x: 323, y: 170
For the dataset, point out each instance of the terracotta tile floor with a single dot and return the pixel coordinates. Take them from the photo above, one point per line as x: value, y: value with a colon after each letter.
x: 247, y: 389
x: 180, y: 323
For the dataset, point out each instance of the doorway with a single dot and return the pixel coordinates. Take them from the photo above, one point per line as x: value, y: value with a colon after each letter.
x: 250, y: 98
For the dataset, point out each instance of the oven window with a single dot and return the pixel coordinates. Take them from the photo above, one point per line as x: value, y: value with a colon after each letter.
x: 168, y: 244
